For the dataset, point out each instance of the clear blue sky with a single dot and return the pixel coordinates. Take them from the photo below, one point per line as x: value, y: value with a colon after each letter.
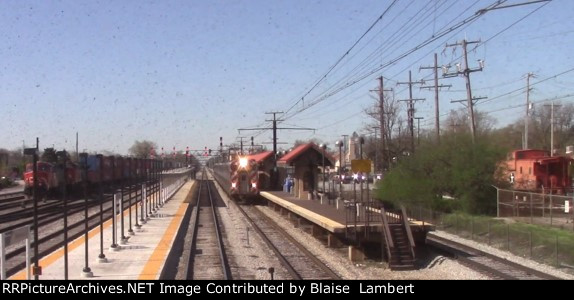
x: 183, y: 73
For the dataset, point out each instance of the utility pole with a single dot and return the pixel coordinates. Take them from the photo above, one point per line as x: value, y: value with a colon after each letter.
x: 411, y: 108
x: 526, y: 118
x: 552, y: 130
x: 274, y: 179
x: 466, y: 73
x: 77, y: 151
x: 346, y: 145
x: 419, y: 130
x: 382, y: 120
x: 552, y: 127
x: 376, y: 150
x: 436, y: 89
x: 241, y: 144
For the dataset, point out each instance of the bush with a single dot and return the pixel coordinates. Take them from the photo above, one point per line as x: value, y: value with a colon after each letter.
x: 456, y: 167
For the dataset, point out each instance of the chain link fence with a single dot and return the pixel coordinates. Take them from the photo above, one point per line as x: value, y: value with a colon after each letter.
x: 546, y: 245
x: 536, y: 208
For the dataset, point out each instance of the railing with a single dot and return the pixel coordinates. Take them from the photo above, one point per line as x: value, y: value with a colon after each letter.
x: 408, y: 230
x: 545, y: 208
x: 387, y: 233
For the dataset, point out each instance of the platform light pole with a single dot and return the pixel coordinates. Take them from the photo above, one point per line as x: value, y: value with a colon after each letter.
x: 101, y: 257
x: 324, y: 147
x: 376, y: 147
x: 339, y: 144
x: 131, y: 164
x: 37, y: 270
x: 62, y: 160
x: 86, y: 272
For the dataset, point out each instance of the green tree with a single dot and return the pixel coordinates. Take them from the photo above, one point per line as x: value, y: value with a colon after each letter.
x: 142, y: 149
x: 455, y: 168
x: 49, y: 155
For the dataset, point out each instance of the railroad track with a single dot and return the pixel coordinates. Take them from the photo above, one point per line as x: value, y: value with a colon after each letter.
x: 208, y: 259
x: 49, y: 212
x: 299, y: 262
x: 8, y: 200
x: 486, y: 263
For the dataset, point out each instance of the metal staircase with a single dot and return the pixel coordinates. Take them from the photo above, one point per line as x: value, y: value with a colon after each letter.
x: 398, y: 239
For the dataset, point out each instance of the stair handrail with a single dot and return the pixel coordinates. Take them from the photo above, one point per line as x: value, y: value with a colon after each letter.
x: 387, y: 232
x: 408, y: 230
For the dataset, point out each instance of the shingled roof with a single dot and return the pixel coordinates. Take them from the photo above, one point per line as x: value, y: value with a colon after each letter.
x: 288, y: 158
x: 259, y: 157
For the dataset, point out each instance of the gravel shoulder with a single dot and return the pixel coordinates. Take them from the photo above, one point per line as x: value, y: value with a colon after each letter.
x: 506, y: 255
x: 433, y: 266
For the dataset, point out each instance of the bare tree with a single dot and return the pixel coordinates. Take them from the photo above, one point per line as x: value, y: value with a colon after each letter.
x: 540, y: 122
x: 142, y: 149
x: 391, y: 119
x: 458, y: 121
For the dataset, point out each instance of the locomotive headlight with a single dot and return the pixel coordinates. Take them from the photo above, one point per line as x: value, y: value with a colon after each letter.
x: 243, y: 162
x: 253, y: 185
x: 233, y: 185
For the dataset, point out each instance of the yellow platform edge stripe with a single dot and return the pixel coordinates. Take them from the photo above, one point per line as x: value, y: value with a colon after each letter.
x: 57, y: 254
x: 156, y: 261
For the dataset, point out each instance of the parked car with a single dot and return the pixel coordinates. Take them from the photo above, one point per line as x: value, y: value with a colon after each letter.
x: 346, y: 178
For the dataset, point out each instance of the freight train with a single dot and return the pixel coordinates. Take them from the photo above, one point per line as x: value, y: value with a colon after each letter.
x: 100, y: 169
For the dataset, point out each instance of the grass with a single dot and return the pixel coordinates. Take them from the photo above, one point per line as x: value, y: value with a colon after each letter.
x: 543, y: 243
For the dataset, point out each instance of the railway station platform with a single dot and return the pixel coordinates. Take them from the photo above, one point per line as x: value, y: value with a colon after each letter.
x: 342, y: 221
x: 142, y: 257
x: 332, y: 217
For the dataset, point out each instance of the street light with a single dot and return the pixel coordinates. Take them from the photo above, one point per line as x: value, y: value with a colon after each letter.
x: 376, y: 148
x: 86, y: 272
x: 62, y: 162
x: 323, y: 146
x: 340, y: 145
x: 37, y: 270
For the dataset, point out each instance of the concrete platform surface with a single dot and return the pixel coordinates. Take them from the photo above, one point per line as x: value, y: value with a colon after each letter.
x: 141, y: 258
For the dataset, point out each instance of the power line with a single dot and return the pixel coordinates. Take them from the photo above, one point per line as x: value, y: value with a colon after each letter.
x: 400, y: 57
x: 532, y: 84
x: 344, y: 55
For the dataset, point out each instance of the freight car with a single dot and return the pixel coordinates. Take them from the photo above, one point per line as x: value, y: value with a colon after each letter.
x: 100, y: 169
x: 537, y: 171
